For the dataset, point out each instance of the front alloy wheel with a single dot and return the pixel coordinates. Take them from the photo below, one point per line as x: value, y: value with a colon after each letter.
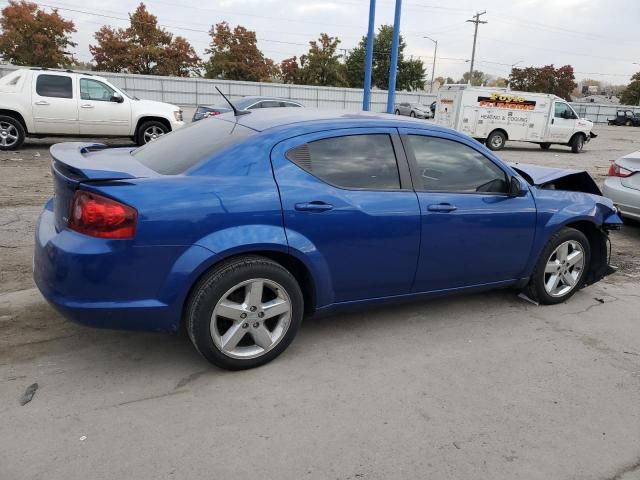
x: 561, y: 268
x: 564, y: 268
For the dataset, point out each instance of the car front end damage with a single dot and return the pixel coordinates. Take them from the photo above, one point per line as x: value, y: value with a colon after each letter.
x: 568, y: 197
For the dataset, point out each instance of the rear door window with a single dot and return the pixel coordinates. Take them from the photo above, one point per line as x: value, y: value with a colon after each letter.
x: 56, y: 86
x: 178, y: 151
x: 356, y: 161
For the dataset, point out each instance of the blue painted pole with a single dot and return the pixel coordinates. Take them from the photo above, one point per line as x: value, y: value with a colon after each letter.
x: 393, y: 68
x: 368, y: 64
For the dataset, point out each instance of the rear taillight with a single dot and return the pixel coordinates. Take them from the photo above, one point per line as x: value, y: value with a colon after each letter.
x: 210, y: 114
x: 616, y: 170
x: 101, y: 217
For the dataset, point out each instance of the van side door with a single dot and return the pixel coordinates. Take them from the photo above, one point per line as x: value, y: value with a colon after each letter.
x: 54, y: 102
x: 562, y: 122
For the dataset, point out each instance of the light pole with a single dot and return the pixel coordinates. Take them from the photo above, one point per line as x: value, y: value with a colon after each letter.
x: 391, y: 95
x: 433, y: 69
x: 366, y: 97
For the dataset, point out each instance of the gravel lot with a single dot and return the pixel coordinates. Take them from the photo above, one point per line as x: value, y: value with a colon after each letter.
x: 483, y: 386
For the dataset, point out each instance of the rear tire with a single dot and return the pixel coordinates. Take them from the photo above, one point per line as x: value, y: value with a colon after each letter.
x: 149, y: 131
x: 496, y: 140
x: 577, y: 143
x: 552, y: 262
x: 12, y: 133
x: 397, y: 112
x: 545, y: 146
x: 236, y: 340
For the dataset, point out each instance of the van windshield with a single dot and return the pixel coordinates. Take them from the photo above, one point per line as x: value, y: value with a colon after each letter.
x: 178, y: 151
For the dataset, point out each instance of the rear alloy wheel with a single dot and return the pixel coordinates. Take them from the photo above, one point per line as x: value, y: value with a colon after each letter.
x: 496, y: 140
x: 561, y: 269
x: 150, y: 131
x: 577, y: 143
x: 244, y: 313
x: 11, y: 133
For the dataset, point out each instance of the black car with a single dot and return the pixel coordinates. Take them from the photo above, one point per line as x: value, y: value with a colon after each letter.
x: 625, y: 117
x: 245, y: 103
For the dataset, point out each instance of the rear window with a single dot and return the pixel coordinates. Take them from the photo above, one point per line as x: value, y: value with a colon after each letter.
x: 178, y: 151
x: 56, y: 86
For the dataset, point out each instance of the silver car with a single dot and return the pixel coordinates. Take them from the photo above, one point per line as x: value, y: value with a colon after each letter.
x: 623, y: 185
x: 413, y: 110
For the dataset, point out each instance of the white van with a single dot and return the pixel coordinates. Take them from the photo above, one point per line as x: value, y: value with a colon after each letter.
x: 496, y: 115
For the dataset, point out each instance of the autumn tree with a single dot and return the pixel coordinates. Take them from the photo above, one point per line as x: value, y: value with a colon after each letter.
x: 322, y: 63
x: 291, y: 70
x: 144, y: 47
x: 547, y: 79
x: 31, y: 36
x: 410, y: 72
x: 631, y: 94
x: 235, y: 55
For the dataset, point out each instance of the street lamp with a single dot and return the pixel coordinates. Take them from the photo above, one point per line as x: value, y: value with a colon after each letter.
x: 433, y: 69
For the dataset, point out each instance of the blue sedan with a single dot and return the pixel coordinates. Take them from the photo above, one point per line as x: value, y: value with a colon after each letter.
x: 239, y: 227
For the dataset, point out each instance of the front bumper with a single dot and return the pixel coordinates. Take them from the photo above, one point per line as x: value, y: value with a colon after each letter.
x: 113, y: 283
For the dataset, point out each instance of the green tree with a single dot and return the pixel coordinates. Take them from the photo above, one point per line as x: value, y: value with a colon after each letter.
x: 410, y: 72
x: 478, y: 78
x: 31, y: 36
x: 631, y: 94
x: 235, y: 55
x: 144, y: 48
x: 547, y: 79
x: 322, y: 63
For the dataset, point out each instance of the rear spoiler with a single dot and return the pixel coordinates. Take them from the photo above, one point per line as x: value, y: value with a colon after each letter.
x: 96, y: 161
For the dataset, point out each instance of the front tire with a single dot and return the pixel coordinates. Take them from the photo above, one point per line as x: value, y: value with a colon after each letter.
x: 12, y: 133
x: 577, y: 143
x: 397, y: 112
x: 496, y: 140
x: 561, y: 268
x: 412, y: 114
x: 149, y: 131
x: 244, y: 313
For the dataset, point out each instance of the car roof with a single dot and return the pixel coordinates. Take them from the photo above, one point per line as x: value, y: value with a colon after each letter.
x: 272, y: 118
x: 244, y: 101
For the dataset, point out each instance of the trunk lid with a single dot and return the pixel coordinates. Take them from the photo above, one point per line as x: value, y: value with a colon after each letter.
x: 77, y: 163
x: 631, y: 162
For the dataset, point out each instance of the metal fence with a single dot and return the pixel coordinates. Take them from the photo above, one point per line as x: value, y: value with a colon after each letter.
x: 189, y: 92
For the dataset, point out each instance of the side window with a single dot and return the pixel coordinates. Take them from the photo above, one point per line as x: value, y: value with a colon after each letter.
x: 58, y: 86
x: 354, y: 161
x: 448, y: 166
x: 95, y: 90
x: 255, y: 105
x: 289, y: 104
x: 270, y: 104
x: 562, y: 110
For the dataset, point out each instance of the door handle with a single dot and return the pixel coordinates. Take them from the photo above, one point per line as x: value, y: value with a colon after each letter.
x: 313, y: 206
x: 553, y: 121
x: 86, y: 105
x: 442, y: 207
x: 42, y: 102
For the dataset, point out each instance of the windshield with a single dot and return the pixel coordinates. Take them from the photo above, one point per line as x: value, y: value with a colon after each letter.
x: 180, y: 150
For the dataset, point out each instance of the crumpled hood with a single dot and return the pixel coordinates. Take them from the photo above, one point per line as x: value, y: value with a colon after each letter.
x: 557, y: 178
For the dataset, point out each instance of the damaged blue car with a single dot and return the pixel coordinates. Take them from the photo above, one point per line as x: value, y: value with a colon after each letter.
x: 241, y: 226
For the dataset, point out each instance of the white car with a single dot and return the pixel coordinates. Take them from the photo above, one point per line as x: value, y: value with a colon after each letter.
x: 38, y: 102
x: 622, y: 185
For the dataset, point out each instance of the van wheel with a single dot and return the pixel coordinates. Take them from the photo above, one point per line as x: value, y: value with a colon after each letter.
x: 545, y: 146
x: 496, y: 140
x: 11, y: 133
x: 149, y: 131
x: 577, y: 143
x: 244, y: 313
x: 561, y: 268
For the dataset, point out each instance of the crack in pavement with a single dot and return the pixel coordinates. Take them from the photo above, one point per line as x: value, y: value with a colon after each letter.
x: 626, y: 469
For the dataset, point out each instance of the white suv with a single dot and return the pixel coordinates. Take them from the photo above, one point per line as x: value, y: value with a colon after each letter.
x: 38, y: 102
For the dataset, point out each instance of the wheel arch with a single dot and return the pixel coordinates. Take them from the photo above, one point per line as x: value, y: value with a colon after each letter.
x: 502, y: 130
x: 17, y: 115
x: 584, y: 135
x: 147, y: 118
x: 294, y: 265
x: 598, y: 241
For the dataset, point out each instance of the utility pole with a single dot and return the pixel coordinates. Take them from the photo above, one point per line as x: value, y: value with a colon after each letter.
x: 393, y: 68
x: 476, y: 20
x: 433, y: 69
x: 368, y: 62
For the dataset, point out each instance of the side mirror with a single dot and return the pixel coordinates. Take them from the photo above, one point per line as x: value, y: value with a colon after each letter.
x: 116, y: 97
x: 516, y: 189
